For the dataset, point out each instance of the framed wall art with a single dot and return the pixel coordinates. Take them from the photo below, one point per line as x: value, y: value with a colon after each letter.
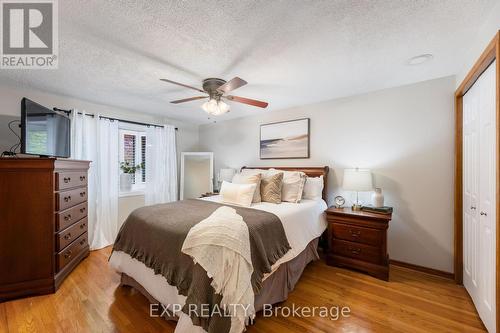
x: 285, y: 139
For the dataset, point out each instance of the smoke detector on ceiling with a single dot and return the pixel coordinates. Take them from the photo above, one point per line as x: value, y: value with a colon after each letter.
x: 420, y: 59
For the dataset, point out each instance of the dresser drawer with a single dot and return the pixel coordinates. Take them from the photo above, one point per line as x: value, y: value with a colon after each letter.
x: 65, y: 237
x: 358, y: 234
x: 72, y: 251
x: 71, y: 198
x: 357, y: 251
x: 69, y: 216
x: 65, y: 180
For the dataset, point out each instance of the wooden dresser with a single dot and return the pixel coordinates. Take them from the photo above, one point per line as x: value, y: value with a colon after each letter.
x: 358, y: 240
x: 43, y: 223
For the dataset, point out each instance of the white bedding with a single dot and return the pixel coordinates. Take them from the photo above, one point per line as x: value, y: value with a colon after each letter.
x: 302, y: 223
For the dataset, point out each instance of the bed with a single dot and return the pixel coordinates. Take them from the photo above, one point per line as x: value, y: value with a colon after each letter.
x: 302, y: 223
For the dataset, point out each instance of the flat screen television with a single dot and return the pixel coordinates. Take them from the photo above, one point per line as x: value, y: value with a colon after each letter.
x: 44, y: 132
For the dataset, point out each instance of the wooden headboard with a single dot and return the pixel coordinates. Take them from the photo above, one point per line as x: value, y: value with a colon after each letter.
x: 309, y: 171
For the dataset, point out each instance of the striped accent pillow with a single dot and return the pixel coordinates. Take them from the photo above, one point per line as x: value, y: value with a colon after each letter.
x: 270, y: 188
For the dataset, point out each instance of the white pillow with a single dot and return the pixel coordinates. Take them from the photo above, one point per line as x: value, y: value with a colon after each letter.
x: 313, y: 188
x: 241, y: 178
x: 237, y: 194
x: 293, y: 184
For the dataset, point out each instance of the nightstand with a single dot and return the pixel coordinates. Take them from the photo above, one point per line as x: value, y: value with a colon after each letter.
x: 358, y: 240
x: 209, y: 194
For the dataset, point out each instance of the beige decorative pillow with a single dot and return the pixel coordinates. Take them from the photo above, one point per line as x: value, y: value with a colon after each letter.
x: 293, y: 184
x: 241, y: 178
x: 270, y: 188
x: 237, y: 194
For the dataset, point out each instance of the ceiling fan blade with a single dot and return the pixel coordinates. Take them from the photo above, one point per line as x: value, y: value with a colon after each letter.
x: 188, y: 99
x: 183, y: 85
x: 232, y: 85
x: 248, y: 101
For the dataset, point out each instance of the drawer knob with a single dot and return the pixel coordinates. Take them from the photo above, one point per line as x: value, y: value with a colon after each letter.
x: 67, y: 236
x: 82, y: 178
x: 483, y: 213
x: 82, y: 209
x: 82, y: 194
x: 67, y: 217
x: 472, y: 207
x: 82, y: 242
x: 82, y: 225
x: 67, y: 255
x: 67, y: 199
x: 67, y: 180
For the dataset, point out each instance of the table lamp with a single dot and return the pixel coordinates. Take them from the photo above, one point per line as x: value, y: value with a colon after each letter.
x: 359, y: 180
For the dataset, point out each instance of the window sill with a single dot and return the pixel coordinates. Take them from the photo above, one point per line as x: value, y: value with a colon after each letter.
x: 131, y: 194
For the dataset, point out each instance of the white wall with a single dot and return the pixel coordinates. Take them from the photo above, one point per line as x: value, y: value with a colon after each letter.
x: 405, y: 135
x: 10, y: 109
x: 474, y: 48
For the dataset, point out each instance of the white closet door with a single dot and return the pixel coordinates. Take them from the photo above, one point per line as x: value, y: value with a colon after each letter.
x: 479, y: 186
x: 487, y: 187
x: 471, y: 191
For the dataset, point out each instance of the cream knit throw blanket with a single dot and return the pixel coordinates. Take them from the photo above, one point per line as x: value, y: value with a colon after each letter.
x: 221, y: 245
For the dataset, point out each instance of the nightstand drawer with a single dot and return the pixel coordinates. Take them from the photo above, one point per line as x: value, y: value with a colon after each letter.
x: 357, y: 251
x: 357, y: 234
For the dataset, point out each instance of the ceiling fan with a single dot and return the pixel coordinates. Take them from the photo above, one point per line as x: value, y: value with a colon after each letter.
x: 217, y: 90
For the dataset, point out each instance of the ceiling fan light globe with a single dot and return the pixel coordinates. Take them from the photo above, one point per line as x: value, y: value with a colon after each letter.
x: 223, y: 107
x: 212, y: 107
x: 205, y: 107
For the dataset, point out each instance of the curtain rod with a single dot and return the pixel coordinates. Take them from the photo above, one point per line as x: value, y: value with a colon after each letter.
x: 112, y: 119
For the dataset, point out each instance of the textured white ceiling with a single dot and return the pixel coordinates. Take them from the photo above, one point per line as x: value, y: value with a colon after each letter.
x: 291, y: 52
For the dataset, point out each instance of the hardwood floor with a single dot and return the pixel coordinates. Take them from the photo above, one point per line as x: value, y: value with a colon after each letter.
x: 91, y: 301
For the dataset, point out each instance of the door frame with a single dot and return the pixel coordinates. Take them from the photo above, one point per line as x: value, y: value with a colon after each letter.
x: 490, y: 54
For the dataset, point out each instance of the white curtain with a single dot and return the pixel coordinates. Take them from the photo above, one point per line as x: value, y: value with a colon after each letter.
x: 96, y: 140
x: 161, y: 165
x: 107, y: 226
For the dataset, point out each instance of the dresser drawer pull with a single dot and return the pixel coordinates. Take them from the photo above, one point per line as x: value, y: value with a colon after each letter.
x: 82, y: 178
x: 83, y: 241
x: 67, y: 255
x: 82, y: 194
x: 67, y: 180
x: 356, y: 233
x: 83, y: 225
x: 67, y: 236
x: 82, y: 209
x: 67, y: 217
x: 67, y: 199
x: 355, y: 251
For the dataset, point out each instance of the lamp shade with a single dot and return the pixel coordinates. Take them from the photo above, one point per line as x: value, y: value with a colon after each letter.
x: 226, y: 175
x: 359, y: 180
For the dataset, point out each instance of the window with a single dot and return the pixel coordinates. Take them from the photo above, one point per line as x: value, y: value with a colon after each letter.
x: 143, y: 158
x: 133, y: 152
